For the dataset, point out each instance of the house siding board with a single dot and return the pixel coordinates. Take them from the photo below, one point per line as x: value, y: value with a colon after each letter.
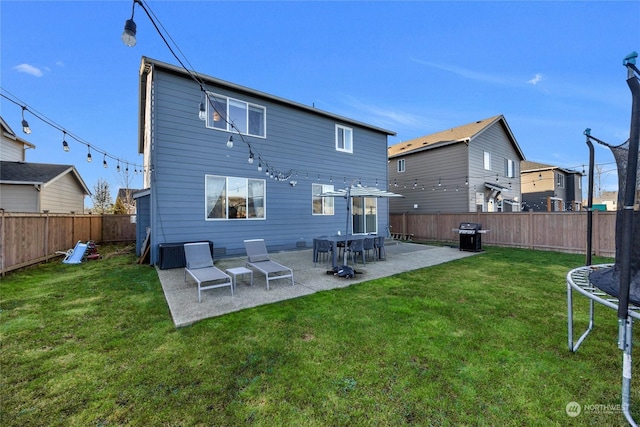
x: 448, y: 164
x: 11, y: 151
x: 185, y: 151
x: 62, y: 195
x: 19, y: 198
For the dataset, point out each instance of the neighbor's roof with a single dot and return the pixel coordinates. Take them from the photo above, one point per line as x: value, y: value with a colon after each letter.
x: 9, y: 133
x: 36, y: 173
x: 147, y: 63
x: 464, y: 133
x: 527, y: 166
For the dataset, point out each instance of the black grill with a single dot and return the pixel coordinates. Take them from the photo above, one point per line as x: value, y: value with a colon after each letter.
x: 470, y: 236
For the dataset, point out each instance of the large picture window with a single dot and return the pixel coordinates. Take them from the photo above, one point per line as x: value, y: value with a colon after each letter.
x: 229, y: 114
x: 234, y: 198
x: 344, y: 139
x: 321, y: 205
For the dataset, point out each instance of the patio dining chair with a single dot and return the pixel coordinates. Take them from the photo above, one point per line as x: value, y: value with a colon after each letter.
x: 258, y: 258
x: 356, y: 247
x: 199, y: 265
x: 369, y: 247
x: 324, y: 248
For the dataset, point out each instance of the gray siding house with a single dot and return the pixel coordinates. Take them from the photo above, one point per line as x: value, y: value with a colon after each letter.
x: 251, y: 165
x: 548, y: 188
x: 36, y: 187
x: 469, y: 168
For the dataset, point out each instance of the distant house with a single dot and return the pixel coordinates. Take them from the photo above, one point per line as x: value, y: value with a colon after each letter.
x: 125, y: 197
x: 607, y: 198
x: 469, y: 168
x: 39, y: 187
x: 13, y: 147
x: 36, y: 187
x: 548, y: 188
x: 253, y: 166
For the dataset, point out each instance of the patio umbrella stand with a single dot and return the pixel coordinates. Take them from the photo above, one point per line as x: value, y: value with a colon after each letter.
x: 348, y: 193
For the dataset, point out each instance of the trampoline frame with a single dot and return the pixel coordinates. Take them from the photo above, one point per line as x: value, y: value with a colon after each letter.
x: 578, y: 280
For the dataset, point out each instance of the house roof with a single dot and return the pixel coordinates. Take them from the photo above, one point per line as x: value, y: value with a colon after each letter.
x: 36, y: 173
x: 9, y: 133
x: 528, y: 166
x: 460, y: 134
x: 122, y: 192
x: 147, y: 63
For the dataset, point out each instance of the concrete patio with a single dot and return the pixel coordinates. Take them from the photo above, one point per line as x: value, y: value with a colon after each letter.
x: 182, y: 296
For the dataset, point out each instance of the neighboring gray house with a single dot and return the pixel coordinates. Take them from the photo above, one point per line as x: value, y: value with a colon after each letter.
x: 547, y: 188
x: 284, y: 154
x: 39, y: 187
x: 469, y: 168
x: 36, y: 187
x: 12, y: 147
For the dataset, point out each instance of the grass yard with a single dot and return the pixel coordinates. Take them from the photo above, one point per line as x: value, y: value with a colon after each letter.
x: 478, y: 341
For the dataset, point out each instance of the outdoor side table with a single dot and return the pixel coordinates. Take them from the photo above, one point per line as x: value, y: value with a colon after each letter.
x: 239, y: 271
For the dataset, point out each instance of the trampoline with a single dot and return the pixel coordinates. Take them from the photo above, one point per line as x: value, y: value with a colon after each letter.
x: 616, y: 286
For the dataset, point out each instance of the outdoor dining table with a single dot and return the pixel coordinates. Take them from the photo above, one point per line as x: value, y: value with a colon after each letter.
x: 335, y: 239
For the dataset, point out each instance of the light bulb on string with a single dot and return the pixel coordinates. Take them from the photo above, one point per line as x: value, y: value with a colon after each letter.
x: 89, y: 159
x: 65, y: 144
x: 104, y: 161
x: 25, y: 125
x: 230, y: 142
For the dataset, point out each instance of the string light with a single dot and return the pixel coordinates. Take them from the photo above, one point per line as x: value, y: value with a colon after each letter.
x: 230, y: 142
x: 104, y: 162
x: 25, y: 125
x: 65, y: 134
x: 65, y: 144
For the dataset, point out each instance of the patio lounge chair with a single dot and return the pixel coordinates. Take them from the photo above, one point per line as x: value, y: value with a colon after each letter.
x: 75, y: 255
x: 258, y: 258
x: 199, y: 265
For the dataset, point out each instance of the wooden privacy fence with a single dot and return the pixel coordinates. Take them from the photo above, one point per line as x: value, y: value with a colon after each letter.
x: 555, y: 231
x: 30, y: 238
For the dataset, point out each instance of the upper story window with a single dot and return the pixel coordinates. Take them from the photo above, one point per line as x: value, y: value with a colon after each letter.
x: 487, y: 160
x: 509, y: 168
x: 559, y: 180
x: 321, y: 205
x: 401, y: 165
x: 228, y: 197
x: 344, y: 139
x: 229, y: 114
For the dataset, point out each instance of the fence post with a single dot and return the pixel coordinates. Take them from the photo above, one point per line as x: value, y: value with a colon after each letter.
x: 532, y: 229
x: 46, y: 235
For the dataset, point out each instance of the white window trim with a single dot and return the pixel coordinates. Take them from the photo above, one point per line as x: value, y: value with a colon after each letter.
x: 402, y: 165
x: 229, y: 127
x: 345, y: 149
x: 486, y: 161
x: 206, y: 214
x: 325, y: 188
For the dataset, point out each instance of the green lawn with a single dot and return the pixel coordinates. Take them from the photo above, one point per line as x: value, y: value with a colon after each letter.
x: 478, y: 341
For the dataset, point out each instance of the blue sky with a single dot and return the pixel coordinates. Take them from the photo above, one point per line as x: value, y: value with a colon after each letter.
x: 413, y: 67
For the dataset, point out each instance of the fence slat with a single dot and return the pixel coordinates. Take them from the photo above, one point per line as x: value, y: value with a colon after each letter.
x: 30, y: 238
x: 556, y: 231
